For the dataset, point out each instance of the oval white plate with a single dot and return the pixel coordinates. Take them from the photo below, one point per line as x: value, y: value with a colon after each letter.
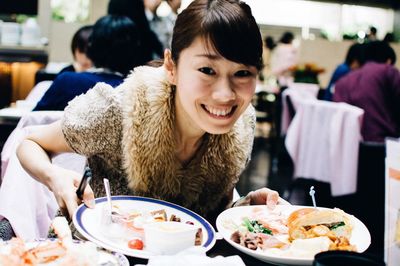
x: 105, y: 257
x: 87, y: 222
x: 361, y: 237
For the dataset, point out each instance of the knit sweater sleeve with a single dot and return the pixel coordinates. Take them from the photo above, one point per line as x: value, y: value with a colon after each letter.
x: 92, y: 122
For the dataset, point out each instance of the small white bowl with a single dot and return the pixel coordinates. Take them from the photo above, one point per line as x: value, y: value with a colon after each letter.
x: 167, y: 238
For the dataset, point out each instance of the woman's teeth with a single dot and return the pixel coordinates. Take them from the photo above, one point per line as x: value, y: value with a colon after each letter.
x: 218, y: 112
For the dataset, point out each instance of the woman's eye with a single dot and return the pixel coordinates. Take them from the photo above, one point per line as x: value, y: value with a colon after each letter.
x: 207, y: 70
x: 243, y: 73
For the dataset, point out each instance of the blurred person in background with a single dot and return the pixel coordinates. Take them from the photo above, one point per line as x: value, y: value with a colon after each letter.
x: 389, y: 37
x: 375, y: 87
x: 372, y: 34
x: 82, y: 62
x: 354, y: 60
x: 284, y: 56
x: 79, y: 46
x: 114, y: 48
x: 269, y: 45
x: 151, y: 47
x: 162, y: 26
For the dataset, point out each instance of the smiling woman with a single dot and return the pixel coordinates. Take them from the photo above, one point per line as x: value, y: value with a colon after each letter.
x: 182, y: 132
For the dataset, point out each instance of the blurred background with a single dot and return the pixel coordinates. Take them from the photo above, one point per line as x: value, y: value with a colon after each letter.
x: 323, y: 32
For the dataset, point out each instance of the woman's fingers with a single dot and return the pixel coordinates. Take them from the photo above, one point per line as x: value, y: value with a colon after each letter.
x: 88, y: 197
x: 265, y: 196
x: 272, y: 198
x: 281, y: 201
x: 72, y: 205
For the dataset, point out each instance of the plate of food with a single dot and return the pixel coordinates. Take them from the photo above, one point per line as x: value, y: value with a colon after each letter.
x: 124, y: 231
x: 289, y: 234
x: 57, y: 251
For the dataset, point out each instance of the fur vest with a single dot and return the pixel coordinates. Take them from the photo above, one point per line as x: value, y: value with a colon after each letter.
x: 148, y: 143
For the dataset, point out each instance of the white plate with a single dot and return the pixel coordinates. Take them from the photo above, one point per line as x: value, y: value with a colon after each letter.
x: 87, y: 222
x: 105, y: 257
x: 361, y: 237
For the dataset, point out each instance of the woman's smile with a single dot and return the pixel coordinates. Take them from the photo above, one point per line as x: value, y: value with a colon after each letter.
x: 219, y: 112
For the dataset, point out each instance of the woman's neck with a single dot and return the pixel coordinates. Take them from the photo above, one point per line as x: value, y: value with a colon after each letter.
x: 186, y: 149
x: 188, y: 137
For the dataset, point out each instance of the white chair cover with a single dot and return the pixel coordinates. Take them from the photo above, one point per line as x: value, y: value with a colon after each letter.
x: 26, y: 203
x: 296, y: 92
x: 323, y: 142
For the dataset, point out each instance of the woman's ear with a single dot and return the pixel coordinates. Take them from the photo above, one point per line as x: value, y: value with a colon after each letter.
x: 170, y: 66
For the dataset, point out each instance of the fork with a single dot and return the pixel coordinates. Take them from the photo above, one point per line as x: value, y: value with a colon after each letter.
x: 108, y: 195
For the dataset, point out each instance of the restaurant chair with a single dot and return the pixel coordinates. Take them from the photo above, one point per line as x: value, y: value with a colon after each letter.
x: 323, y: 143
x: 311, y: 150
x: 264, y: 102
x: 291, y: 97
x: 282, y: 115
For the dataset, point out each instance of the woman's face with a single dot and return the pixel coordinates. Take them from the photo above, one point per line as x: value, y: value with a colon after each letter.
x: 211, y: 91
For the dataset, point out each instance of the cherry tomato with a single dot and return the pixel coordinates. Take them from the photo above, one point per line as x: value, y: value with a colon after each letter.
x: 135, y: 244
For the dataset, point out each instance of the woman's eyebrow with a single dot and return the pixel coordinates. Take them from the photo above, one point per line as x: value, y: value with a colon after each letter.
x: 209, y: 56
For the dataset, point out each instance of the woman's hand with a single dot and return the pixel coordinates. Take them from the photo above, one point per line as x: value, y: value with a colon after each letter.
x: 64, y: 184
x: 266, y: 196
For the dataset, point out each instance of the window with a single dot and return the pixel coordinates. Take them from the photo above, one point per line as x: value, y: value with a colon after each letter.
x: 70, y: 10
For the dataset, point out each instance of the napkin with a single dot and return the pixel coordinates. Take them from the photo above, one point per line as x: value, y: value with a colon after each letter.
x: 194, y: 256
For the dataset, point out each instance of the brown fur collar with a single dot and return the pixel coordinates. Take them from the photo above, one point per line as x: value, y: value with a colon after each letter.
x: 149, y: 148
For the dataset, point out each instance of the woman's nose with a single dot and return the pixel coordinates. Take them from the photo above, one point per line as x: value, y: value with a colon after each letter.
x: 224, y: 91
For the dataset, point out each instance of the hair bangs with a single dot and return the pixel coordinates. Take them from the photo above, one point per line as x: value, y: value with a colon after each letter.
x: 230, y: 33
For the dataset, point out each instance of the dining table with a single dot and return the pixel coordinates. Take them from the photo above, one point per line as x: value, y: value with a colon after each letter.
x: 221, y: 248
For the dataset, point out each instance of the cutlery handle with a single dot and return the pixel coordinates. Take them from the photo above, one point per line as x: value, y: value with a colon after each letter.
x: 108, y: 192
x: 87, y: 176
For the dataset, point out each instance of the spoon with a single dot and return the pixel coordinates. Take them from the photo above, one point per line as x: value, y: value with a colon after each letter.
x: 108, y: 195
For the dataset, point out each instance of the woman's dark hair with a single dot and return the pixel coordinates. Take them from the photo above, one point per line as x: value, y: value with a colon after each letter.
x: 380, y: 52
x: 134, y: 9
x: 226, y: 25
x: 356, y: 52
x: 287, y: 37
x: 115, y: 44
x: 80, y: 39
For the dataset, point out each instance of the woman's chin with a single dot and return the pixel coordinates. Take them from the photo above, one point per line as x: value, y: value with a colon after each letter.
x: 218, y: 130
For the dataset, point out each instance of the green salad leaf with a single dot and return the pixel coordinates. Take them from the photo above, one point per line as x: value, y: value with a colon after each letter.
x: 255, y: 227
x: 333, y: 227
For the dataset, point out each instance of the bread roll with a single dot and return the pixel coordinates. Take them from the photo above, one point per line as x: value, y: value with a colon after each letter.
x: 310, y: 222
